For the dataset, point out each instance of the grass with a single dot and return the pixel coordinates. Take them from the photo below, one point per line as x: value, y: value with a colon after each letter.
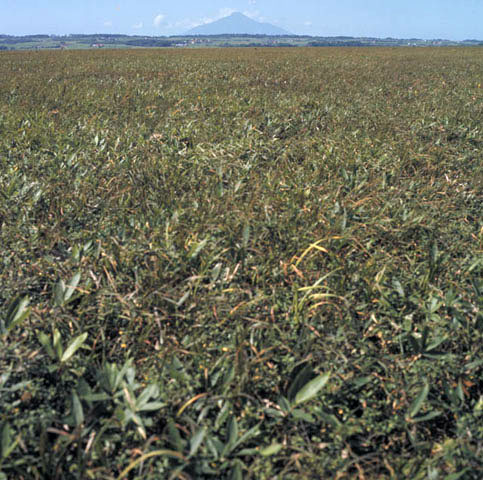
x: 241, y: 264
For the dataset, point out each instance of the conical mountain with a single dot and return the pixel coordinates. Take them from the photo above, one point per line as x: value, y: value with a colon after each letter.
x: 237, y: 24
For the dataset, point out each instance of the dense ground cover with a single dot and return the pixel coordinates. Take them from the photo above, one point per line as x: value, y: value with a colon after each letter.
x: 241, y: 264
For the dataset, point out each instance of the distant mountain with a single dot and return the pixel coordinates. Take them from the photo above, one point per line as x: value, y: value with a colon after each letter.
x: 237, y: 23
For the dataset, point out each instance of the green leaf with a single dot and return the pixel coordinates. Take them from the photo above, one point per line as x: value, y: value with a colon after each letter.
x: 44, y: 340
x: 7, y: 444
x: 253, y: 432
x: 77, y: 410
x: 215, y: 273
x: 232, y: 435
x: 232, y: 431
x: 272, y: 449
x: 284, y: 404
x: 299, y: 414
x: 311, y: 389
x: 274, y: 413
x: 228, y: 378
x: 399, y: 289
x: 4, y: 378
x: 196, y: 249
x: 458, y: 475
x: 435, y: 343
x: 248, y: 452
x: 236, y: 473
x: 130, y: 398
x: 95, y: 397
x: 5, y: 439
x: 434, y: 254
x: 59, y: 293
x: 245, y: 236
x: 428, y: 416
x: 223, y: 414
x: 418, y: 401
x: 73, y: 347
x: 71, y: 286
x: 197, y: 440
x: 218, y: 444
x: 57, y: 344
x: 302, y: 377
x: 361, y: 381
x: 151, y: 391
x: 17, y: 312
x: 151, y: 407
x: 183, y: 299
x: 174, y: 436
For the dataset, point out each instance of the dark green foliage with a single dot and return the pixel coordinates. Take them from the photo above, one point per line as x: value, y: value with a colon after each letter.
x: 241, y: 264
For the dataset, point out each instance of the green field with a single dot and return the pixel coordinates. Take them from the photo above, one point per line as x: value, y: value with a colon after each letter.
x: 83, y: 41
x: 241, y: 264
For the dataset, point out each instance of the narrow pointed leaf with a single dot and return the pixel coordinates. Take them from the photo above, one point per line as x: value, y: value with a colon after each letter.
x: 429, y: 416
x: 57, y: 343
x: 418, y: 401
x: 232, y: 435
x: 246, y: 236
x: 5, y: 439
x: 236, y: 473
x: 253, y: 432
x: 299, y: 414
x: 59, y: 291
x: 77, y: 409
x: 311, y: 389
x: 174, y: 436
x: 302, y: 377
x: 232, y: 431
x: 44, y: 339
x: 152, y: 407
x: 272, y: 449
x: 17, y: 312
x: 71, y: 286
x: 151, y: 391
x: 73, y: 347
x: 7, y: 443
x: 197, y: 440
x: 196, y: 249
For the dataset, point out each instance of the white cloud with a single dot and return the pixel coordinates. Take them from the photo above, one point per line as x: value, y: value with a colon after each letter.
x: 158, y: 19
x: 308, y: 23
x: 138, y: 26
x: 108, y: 23
x: 252, y: 2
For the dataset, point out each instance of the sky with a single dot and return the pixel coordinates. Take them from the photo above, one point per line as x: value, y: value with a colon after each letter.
x: 427, y: 19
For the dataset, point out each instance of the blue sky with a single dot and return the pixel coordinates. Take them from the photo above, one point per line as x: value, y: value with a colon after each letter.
x: 452, y: 19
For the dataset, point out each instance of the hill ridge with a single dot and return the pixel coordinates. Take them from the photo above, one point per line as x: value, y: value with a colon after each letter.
x: 237, y: 23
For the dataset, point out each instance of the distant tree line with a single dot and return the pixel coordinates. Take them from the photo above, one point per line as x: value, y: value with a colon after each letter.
x: 12, y: 40
x: 149, y: 42
x: 241, y: 35
x: 260, y: 45
x: 348, y: 43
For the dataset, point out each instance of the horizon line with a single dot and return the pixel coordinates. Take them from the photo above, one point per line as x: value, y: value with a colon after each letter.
x: 290, y: 35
